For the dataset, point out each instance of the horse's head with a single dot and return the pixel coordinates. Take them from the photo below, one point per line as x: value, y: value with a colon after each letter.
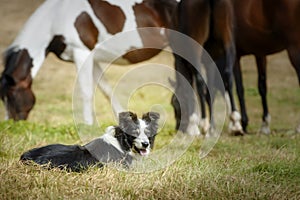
x: 15, y: 84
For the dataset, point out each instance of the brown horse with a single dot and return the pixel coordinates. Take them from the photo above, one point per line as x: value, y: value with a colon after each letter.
x: 210, y: 23
x: 264, y: 27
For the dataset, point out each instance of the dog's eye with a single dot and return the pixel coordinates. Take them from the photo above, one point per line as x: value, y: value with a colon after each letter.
x: 147, y: 132
x: 135, y: 132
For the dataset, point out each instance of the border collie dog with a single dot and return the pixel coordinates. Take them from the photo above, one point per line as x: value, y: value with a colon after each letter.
x: 120, y: 144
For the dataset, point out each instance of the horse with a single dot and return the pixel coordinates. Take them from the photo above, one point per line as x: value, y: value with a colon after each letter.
x: 264, y: 27
x: 210, y: 23
x: 71, y: 29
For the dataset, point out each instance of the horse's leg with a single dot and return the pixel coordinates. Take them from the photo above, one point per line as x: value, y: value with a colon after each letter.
x: 106, y: 88
x: 240, y: 92
x: 294, y: 55
x: 210, y: 97
x: 194, y: 120
x: 234, y: 126
x: 223, y: 31
x: 199, y: 13
x: 190, y: 12
x: 184, y: 98
x: 177, y: 113
x: 202, y: 92
x: 261, y: 64
x: 85, y: 80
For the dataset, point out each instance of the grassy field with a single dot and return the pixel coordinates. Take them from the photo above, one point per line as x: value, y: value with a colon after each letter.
x: 250, y: 167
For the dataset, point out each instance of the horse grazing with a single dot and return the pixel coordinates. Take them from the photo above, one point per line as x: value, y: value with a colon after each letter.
x: 264, y: 27
x: 210, y: 23
x: 71, y: 29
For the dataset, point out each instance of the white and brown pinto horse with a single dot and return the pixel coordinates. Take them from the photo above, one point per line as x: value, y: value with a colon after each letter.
x: 72, y: 29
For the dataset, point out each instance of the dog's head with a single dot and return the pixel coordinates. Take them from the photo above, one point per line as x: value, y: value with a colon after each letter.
x: 135, y: 134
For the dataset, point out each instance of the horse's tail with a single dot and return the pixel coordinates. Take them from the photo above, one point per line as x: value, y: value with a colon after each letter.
x: 73, y: 157
x: 221, y: 42
x: 222, y: 28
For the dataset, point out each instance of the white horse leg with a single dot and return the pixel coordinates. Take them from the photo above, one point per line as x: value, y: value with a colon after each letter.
x: 106, y: 88
x: 265, y: 127
x: 85, y: 80
x: 204, y: 124
x: 235, y: 126
x: 192, y: 128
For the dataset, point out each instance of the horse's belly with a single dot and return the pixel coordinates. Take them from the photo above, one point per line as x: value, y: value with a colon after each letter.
x: 125, y: 58
x: 258, y: 43
x: 132, y: 46
x: 255, y: 33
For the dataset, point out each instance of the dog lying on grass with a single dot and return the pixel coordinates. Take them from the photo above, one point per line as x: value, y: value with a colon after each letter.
x: 120, y: 144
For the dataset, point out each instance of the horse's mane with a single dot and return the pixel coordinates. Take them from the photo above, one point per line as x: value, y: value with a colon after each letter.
x: 3, y: 81
x: 6, y: 57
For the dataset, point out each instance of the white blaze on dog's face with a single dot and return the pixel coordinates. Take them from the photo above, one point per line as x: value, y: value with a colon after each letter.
x: 140, y: 133
x: 142, y: 143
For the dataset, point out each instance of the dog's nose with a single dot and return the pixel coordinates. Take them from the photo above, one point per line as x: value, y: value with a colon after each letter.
x: 145, y: 144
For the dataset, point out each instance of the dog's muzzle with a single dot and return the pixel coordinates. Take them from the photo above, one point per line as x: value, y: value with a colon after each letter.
x: 142, y: 147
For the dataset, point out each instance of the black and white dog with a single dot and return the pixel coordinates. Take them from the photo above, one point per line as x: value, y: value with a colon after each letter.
x: 120, y: 144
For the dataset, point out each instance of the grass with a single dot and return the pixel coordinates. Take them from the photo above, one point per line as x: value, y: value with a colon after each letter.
x: 251, y: 167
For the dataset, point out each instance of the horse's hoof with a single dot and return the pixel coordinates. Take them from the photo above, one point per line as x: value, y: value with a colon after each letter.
x: 265, y: 130
x: 211, y: 133
x: 192, y: 128
x: 204, y: 126
x: 193, y: 131
x: 235, y: 127
x: 265, y: 127
x: 238, y: 133
x: 298, y: 129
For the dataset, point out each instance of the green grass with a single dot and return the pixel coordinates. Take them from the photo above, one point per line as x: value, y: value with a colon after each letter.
x: 250, y: 167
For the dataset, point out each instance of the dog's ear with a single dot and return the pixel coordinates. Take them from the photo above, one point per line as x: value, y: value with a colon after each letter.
x: 128, y: 116
x: 128, y: 123
x: 151, y: 117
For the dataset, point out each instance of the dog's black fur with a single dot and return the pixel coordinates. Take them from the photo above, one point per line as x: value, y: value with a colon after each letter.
x: 118, y: 144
